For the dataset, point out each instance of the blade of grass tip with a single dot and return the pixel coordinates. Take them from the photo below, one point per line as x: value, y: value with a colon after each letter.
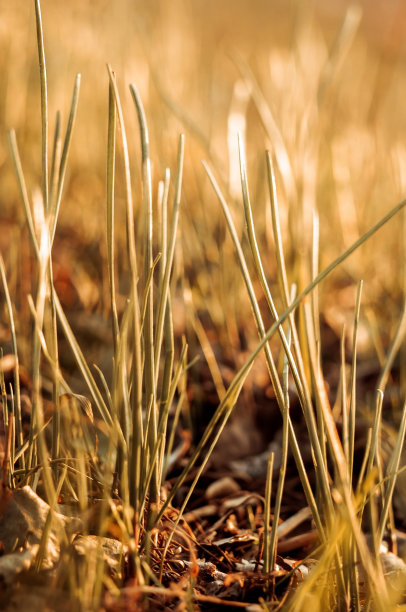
x: 322, y: 275
x: 105, y: 386
x: 44, y: 102
x: 149, y: 367
x: 268, y: 559
x: 353, y: 381
x: 23, y: 190
x: 84, y: 368
x: 64, y: 156
x: 393, y: 469
x: 163, y: 192
x: 17, y: 403
x: 146, y: 177
x: 248, y: 283
x: 297, y: 366
x: 163, y: 298
x: 148, y: 320
x: 305, y: 401
x: 269, y: 359
x: 283, y: 278
x: 279, y: 253
x: 129, y: 201
x: 394, y: 348
x: 111, y: 166
x: 55, y: 161
x: 134, y: 302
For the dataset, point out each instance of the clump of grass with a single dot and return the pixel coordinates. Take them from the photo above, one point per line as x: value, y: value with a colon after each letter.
x: 119, y: 443
x: 130, y: 418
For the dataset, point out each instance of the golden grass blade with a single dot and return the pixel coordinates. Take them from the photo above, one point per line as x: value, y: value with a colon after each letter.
x: 133, y: 305
x: 44, y: 102
x: 148, y: 322
x: 64, y: 157
x: 23, y: 191
x: 353, y: 379
x: 111, y: 166
x: 163, y: 298
x: 284, y: 456
x: 55, y: 161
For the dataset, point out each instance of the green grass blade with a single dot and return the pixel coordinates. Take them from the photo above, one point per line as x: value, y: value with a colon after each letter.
x: 23, y: 191
x: 163, y: 298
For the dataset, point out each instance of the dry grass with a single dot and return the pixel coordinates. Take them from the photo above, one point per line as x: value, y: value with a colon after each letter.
x: 322, y: 90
